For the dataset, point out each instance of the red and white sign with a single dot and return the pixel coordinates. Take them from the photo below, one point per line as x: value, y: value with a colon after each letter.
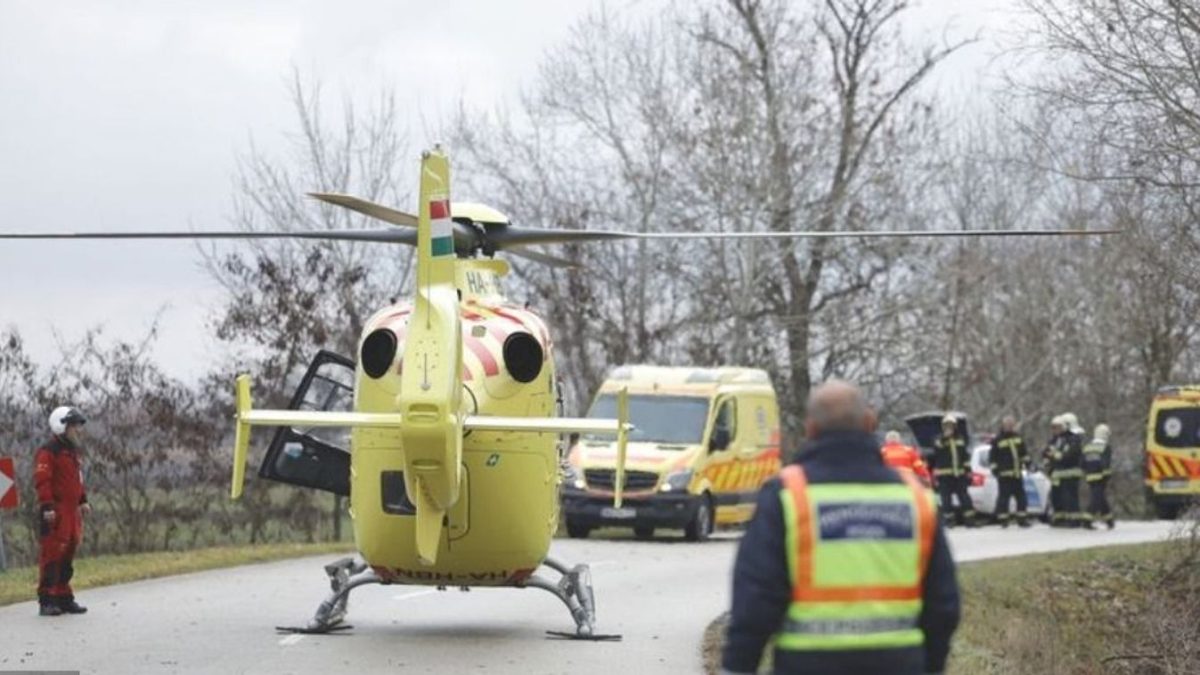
x: 8, y: 484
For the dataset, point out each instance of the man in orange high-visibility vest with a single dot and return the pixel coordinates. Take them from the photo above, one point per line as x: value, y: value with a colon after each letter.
x: 903, y: 457
x: 844, y: 566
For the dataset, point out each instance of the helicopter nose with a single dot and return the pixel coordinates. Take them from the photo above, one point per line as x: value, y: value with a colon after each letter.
x: 378, y: 351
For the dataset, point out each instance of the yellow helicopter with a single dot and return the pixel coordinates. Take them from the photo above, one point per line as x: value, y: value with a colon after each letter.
x: 455, y: 454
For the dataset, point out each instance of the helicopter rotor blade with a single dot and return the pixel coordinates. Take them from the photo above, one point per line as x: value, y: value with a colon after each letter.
x: 513, y: 237
x: 382, y: 235
x: 384, y: 213
x: 466, y: 238
x: 543, y: 258
x: 868, y: 234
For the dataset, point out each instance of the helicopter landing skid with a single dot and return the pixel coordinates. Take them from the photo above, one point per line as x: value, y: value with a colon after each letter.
x: 345, y: 575
x: 575, y: 591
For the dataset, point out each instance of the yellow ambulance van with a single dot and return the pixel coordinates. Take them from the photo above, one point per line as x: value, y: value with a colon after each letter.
x: 704, y: 442
x: 1173, y: 450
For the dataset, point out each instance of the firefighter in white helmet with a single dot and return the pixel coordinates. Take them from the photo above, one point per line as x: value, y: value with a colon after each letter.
x: 952, y: 472
x: 1097, y: 468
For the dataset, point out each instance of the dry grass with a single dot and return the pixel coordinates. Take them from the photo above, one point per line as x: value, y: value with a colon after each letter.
x: 19, y: 584
x: 1117, y: 610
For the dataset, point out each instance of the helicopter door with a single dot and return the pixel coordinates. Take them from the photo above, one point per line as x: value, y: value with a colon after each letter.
x: 317, y: 457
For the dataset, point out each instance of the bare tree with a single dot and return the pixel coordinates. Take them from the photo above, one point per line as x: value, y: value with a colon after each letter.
x: 288, y: 298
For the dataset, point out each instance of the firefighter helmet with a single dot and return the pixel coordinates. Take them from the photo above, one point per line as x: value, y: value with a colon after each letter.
x: 1101, y: 432
x: 64, y: 416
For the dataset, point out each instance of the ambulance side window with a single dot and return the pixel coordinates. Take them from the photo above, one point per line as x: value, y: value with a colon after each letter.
x: 724, y: 426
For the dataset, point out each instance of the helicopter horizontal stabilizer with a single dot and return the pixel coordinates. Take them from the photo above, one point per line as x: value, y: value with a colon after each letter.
x: 248, y: 417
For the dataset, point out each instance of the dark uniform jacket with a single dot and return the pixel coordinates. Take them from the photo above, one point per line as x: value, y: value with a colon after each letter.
x: 1008, y: 454
x: 1067, y: 454
x: 762, y: 584
x: 1097, y: 460
x: 951, y: 456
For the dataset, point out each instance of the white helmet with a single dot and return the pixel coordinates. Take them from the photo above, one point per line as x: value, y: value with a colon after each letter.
x: 892, y: 437
x: 949, y: 419
x: 1071, y: 422
x: 1058, y: 421
x: 1102, y: 432
x: 64, y: 415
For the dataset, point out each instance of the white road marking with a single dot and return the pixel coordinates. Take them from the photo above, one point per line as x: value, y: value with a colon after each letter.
x: 291, y: 640
x: 416, y: 594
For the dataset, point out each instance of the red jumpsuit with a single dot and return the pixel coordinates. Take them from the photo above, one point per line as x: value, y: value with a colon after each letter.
x: 59, y: 484
x: 905, y: 458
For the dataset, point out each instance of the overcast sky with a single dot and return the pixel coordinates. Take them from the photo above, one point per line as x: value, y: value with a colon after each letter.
x: 130, y: 115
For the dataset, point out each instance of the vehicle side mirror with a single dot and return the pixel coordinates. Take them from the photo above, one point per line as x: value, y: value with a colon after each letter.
x: 720, y: 439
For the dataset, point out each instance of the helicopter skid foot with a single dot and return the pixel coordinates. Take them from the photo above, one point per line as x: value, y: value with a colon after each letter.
x: 345, y: 575
x: 574, y: 589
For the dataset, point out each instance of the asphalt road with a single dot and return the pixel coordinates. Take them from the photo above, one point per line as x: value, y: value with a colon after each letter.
x: 659, y: 595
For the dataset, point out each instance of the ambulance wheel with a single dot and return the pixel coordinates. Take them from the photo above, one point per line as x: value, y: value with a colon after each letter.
x: 643, y: 531
x: 576, y: 530
x: 701, y: 524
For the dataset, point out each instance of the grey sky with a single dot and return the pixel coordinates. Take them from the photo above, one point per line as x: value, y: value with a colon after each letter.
x: 130, y: 115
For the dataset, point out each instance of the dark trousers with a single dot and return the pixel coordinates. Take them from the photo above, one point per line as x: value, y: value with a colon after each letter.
x: 1069, y: 498
x: 1010, y: 488
x: 1098, y: 505
x: 1055, y: 501
x: 955, y: 487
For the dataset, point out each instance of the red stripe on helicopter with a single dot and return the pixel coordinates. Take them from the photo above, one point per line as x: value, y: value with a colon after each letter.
x: 439, y: 209
x: 539, y: 328
x: 490, y: 367
x: 496, y: 332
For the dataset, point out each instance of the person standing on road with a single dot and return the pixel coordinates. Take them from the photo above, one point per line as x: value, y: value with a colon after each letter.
x: 903, y: 457
x: 1067, y: 465
x: 1052, y: 449
x: 1008, y: 458
x: 952, y: 470
x: 844, y: 566
x: 62, y: 504
x: 1097, y: 468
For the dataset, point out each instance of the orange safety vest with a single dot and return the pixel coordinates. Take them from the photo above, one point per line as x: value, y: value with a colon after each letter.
x: 857, y: 553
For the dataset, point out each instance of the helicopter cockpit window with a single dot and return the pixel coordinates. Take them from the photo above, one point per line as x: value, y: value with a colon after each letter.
x: 670, y: 420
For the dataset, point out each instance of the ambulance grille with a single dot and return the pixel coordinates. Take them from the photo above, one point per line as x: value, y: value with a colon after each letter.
x: 604, y: 479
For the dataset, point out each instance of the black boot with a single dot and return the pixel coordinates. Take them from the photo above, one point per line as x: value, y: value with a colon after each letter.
x: 69, y: 606
x: 1111, y: 522
x: 49, y: 609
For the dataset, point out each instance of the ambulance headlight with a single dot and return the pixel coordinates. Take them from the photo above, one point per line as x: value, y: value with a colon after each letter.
x: 677, y: 482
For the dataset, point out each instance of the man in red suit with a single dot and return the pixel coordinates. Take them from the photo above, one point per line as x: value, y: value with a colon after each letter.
x: 903, y: 457
x: 62, y: 504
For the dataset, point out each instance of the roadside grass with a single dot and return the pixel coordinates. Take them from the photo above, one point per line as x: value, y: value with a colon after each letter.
x: 19, y: 584
x: 1086, y: 611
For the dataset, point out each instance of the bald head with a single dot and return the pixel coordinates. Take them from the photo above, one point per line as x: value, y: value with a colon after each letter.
x: 837, y: 405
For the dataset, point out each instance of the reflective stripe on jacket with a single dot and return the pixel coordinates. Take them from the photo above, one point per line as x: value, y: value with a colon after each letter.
x: 950, y: 456
x: 857, y: 553
x: 1097, y: 460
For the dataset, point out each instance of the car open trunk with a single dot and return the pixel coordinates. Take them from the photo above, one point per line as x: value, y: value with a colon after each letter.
x: 927, y: 426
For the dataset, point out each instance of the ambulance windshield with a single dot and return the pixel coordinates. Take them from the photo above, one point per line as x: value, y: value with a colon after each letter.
x: 658, y: 419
